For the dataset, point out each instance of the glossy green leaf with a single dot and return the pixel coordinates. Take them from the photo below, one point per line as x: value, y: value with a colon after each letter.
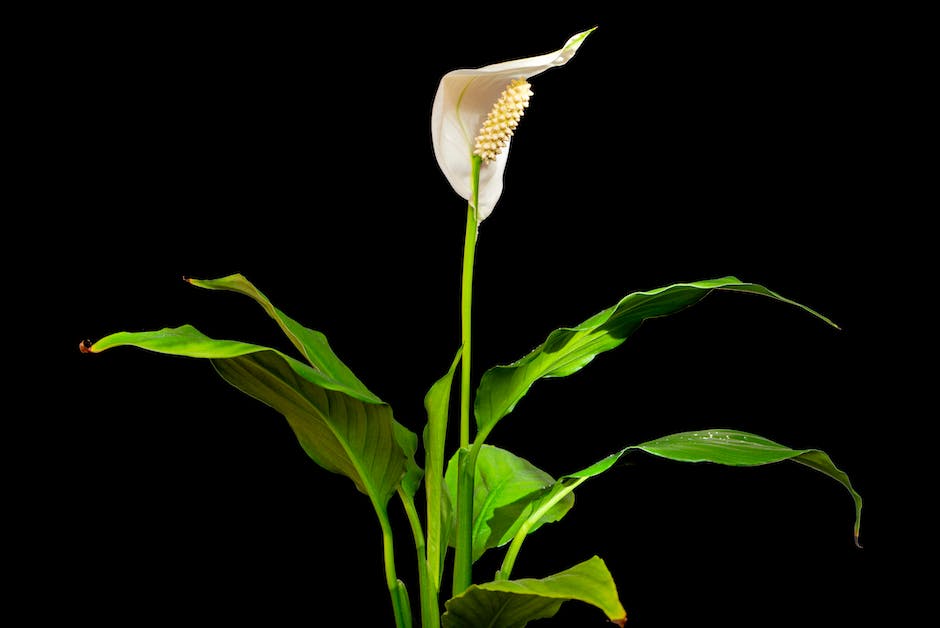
x: 730, y: 447
x: 505, y: 490
x: 439, y: 502
x: 719, y: 446
x: 408, y: 442
x: 312, y: 344
x: 514, y: 603
x: 726, y: 447
x: 567, y: 350
x: 343, y: 431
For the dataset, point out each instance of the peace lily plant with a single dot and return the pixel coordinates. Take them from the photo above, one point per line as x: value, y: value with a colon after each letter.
x: 480, y: 497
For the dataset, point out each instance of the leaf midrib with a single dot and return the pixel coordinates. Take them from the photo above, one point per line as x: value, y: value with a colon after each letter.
x: 499, y: 613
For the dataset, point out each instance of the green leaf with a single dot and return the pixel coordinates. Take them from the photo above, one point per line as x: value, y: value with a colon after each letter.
x: 730, y: 447
x: 514, y: 603
x: 312, y: 344
x: 408, y: 441
x: 506, y: 488
x: 440, y: 506
x: 567, y: 350
x: 404, y: 602
x: 720, y: 446
x: 343, y: 431
x: 726, y: 447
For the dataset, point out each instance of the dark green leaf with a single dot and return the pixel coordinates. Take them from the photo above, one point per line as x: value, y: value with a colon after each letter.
x: 567, y: 350
x: 505, y: 490
x: 408, y: 441
x: 720, y: 446
x: 312, y: 344
x: 514, y: 603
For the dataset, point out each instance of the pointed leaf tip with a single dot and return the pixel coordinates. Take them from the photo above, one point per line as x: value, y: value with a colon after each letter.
x: 569, y: 349
x: 85, y: 346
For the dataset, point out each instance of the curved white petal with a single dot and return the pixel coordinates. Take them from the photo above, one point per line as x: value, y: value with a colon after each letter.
x: 463, y: 99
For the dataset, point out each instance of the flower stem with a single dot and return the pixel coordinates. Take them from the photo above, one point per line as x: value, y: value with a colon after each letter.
x: 469, y: 247
x: 463, y: 558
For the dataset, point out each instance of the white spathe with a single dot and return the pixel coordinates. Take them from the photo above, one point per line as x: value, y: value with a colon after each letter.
x: 463, y: 100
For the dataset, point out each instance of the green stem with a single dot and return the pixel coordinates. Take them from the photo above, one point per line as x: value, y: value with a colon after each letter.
x: 463, y: 554
x: 430, y: 610
x: 469, y: 247
x: 466, y: 471
x: 463, y: 551
x: 510, y: 558
x: 399, y: 601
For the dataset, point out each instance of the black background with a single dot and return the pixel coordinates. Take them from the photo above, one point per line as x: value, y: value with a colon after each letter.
x: 296, y: 150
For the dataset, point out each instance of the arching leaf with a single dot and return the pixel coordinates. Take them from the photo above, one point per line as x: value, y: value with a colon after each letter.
x: 312, y: 344
x: 719, y: 446
x: 567, y: 350
x: 342, y: 430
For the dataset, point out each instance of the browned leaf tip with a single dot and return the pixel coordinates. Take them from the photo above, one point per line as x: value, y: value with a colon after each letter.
x: 85, y: 346
x: 620, y: 622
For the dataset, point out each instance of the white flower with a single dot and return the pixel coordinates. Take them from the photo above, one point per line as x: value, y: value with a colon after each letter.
x: 477, y: 111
